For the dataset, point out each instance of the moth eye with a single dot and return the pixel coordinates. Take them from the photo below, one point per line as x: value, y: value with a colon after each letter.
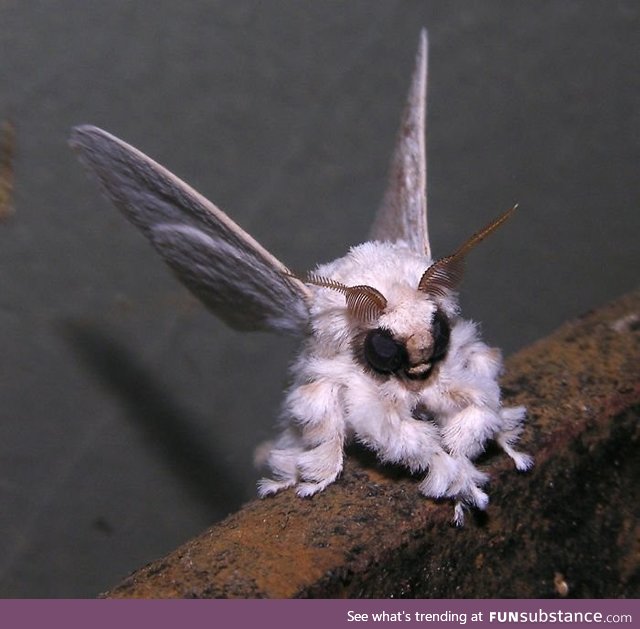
x: 382, y: 352
x: 441, y: 331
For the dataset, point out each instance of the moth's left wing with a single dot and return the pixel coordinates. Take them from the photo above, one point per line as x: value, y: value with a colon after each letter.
x: 224, y: 266
x: 403, y: 213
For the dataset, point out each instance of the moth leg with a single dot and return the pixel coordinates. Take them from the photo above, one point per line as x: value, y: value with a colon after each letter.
x: 464, y: 437
x: 470, y: 496
x: 310, y: 452
x: 486, y: 363
x: 464, y: 487
x: 282, y: 463
x: 412, y: 443
x: 270, y: 486
x: 458, y: 513
x: 417, y: 445
x: 393, y: 436
x: 311, y: 469
x: 466, y: 433
x: 319, y: 467
x: 512, y: 420
x: 443, y: 470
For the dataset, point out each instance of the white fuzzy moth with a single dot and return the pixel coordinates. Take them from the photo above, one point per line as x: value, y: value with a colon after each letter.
x: 386, y: 359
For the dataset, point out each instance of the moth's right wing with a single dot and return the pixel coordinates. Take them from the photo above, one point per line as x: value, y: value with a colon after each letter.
x: 403, y: 213
x: 224, y: 266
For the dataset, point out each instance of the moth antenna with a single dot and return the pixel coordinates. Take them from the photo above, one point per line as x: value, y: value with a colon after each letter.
x: 365, y: 303
x: 289, y: 274
x: 480, y: 235
x: 446, y: 273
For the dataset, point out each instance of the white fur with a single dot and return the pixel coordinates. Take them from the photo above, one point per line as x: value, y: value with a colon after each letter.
x: 333, y: 399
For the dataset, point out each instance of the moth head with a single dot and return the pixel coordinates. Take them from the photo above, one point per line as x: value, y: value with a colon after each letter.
x: 409, y: 352
x: 406, y: 333
x: 403, y: 337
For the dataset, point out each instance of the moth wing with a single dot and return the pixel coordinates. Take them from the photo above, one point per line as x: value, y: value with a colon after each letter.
x: 229, y: 271
x: 403, y: 213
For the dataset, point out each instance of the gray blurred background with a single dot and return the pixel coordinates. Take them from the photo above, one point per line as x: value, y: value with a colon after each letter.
x: 128, y: 414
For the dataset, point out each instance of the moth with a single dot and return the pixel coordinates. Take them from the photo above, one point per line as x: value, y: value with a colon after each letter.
x: 386, y: 358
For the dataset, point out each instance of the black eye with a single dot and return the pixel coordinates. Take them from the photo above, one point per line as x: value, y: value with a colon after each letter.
x: 382, y: 352
x: 441, y: 331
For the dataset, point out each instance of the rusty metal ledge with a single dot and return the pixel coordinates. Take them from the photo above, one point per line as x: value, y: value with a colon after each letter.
x: 568, y: 527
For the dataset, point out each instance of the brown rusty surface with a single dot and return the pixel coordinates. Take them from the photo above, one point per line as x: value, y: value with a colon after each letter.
x: 569, y: 527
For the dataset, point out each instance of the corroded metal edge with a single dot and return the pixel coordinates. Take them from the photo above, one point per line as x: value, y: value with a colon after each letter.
x: 572, y: 520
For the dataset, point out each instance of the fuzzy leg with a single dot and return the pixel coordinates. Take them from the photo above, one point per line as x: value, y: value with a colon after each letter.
x: 310, y: 452
x: 469, y: 493
x: 464, y: 487
x: 466, y: 433
x: 462, y: 482
x: 458, y: 513
x: 443, y: 470
x: 311, y: 470
x: 512, y: 420
x: 416, y: 444
x: 282, y: 462
x: 319, y: 467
